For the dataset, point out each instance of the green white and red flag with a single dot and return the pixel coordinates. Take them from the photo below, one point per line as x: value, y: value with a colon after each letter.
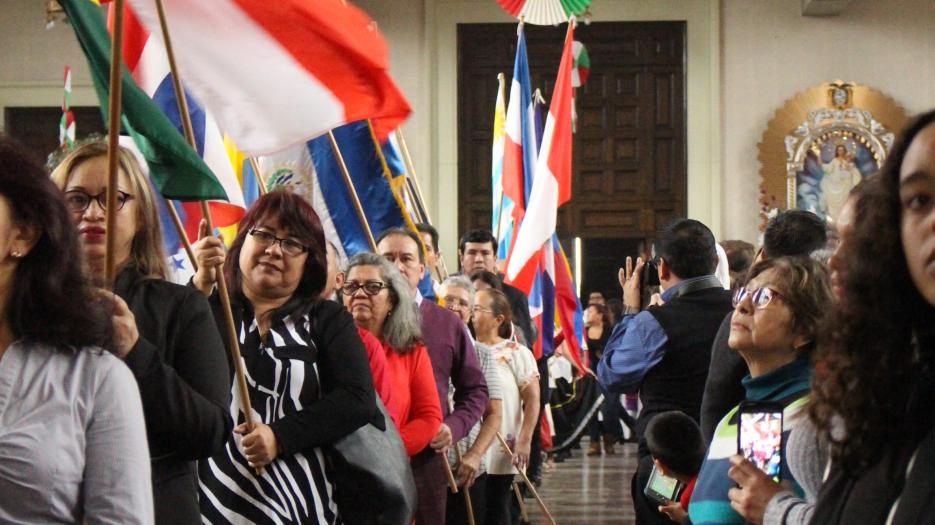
x: 66, y: 129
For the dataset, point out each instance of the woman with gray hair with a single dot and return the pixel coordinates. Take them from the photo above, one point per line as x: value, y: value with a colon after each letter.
x: 378, y: 298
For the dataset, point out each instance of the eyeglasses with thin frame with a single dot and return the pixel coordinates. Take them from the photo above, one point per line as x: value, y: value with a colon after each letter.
x: 479, y: 308
x: 369, y: 287
x: 77, y: 201
x: 759, y: 297
x: 451, y: 300
x: 267, y: 239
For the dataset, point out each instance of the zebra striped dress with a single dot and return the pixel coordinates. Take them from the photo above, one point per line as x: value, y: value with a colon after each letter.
x: 282, y: 378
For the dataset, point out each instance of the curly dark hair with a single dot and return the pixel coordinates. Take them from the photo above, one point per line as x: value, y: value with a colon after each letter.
x: 866, y: 362
x: 50, y: 301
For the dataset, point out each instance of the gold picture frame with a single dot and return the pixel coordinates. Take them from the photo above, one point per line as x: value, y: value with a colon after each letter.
x: 820, y: 143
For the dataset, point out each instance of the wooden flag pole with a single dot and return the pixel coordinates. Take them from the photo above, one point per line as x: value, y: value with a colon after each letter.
x: 420, y: 213
x: 452, y: 484
x: 181, y: 231
x: 255, y: 164
x: 468, y: 505
x: 113, y: 135
x: 365, y: 224
x: 528, y: 483
x: 206, y: 212
x: 411, y: 173
x: 519, y: 501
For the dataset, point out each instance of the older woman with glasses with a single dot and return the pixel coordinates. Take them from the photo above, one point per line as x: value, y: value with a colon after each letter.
x: 164, y: 332
x: 379, y: 299
x: 307, y: 373
x: 519, y: 384
x: 471, y: 458
x: 773, y: 328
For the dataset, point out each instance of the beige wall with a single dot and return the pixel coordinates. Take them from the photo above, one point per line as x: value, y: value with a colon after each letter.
x: 770, y: 53
x: 745, y: 58
x: 32, y: 59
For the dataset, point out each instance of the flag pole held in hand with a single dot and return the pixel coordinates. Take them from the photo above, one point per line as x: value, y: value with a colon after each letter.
x: 532, y: 489
x: 223, y: 293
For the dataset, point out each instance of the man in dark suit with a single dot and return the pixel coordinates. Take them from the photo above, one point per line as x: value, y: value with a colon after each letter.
x: 478, y: 251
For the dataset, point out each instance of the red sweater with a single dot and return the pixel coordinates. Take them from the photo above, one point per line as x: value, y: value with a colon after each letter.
x: 381, y: 379
x: 415, y: 397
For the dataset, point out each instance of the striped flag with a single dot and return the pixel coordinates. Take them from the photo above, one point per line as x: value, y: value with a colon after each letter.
x: 568, y: 315
x: 502, y: 220
x: 519, y: 147
x: 146, y: 58
x: 276, y: 74
x: 177, y: 171
x: 552, y: 185
x: 66, y: 130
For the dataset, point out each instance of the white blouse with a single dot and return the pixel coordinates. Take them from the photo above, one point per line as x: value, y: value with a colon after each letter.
x: 72, y: 438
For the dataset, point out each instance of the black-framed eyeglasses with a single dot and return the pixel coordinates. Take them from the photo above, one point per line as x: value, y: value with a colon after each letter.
x: 369, y: 287
x: 759, y: 297
x: 267, y: 239
x: 77, y: 201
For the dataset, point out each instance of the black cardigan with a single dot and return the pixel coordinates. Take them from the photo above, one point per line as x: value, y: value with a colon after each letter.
x: 180, y: 366
x: 347, y: 399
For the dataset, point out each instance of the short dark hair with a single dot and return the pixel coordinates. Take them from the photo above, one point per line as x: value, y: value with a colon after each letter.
x: 740, y: 256
x: 675, y: 440
x: 50, y: 300
x: 794, y: 233
x: 479, y: 236
x: 492, y: 279
x: 688, y: 248
x: 298, y: 217
x: 424, y: 227
x: 405, y: 232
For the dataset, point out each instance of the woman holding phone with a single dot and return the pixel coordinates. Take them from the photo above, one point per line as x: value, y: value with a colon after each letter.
x: 773, y: 327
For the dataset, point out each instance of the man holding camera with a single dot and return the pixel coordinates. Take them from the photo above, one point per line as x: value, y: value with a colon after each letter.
x: 664, y: 351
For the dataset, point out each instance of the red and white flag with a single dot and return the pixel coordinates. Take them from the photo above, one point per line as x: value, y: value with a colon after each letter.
x: 276, y: 74
x: 551, y: 186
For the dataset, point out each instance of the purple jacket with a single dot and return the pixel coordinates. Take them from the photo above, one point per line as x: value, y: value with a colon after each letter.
x: 452, y: 354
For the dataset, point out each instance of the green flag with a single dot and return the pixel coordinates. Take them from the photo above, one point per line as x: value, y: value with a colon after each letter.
x: 175, y: 168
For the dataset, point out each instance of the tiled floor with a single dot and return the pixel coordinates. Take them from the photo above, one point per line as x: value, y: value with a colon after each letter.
x: 588, y: 490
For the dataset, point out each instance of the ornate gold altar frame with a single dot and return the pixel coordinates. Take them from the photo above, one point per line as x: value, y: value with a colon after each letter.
x: 832, y: 113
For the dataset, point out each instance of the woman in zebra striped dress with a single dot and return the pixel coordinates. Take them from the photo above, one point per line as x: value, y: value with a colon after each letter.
x: 307, y: 372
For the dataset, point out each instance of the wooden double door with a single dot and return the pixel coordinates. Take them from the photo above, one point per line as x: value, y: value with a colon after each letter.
x: 629, y: 150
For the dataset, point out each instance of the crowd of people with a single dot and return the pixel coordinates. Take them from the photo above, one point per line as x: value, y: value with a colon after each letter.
x: 119, y: 402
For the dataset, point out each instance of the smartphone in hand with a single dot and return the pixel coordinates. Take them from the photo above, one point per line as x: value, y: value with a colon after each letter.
x: 759, y: 436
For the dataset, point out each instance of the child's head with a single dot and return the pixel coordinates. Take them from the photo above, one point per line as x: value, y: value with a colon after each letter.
x: 675, y: 440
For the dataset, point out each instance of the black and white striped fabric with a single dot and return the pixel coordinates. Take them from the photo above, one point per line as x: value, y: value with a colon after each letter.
x: 282, y: 377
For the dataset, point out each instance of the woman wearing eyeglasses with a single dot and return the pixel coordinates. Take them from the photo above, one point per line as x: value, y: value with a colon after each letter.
x: 164, y: 332
x: 379, y: 299
x: 306, y: 370
x: 773, y: 328
x: 519, y: 383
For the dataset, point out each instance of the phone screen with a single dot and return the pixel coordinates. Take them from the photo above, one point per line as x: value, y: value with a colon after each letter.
x: 664, y: 485
x: 761, y: 440
x: 661, y: 488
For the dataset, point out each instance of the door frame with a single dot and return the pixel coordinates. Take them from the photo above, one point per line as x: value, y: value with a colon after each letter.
x: 703, y: 95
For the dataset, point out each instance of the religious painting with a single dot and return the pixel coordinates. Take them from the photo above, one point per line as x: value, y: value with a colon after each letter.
x: 834, y: 163
x: 821, y: 144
